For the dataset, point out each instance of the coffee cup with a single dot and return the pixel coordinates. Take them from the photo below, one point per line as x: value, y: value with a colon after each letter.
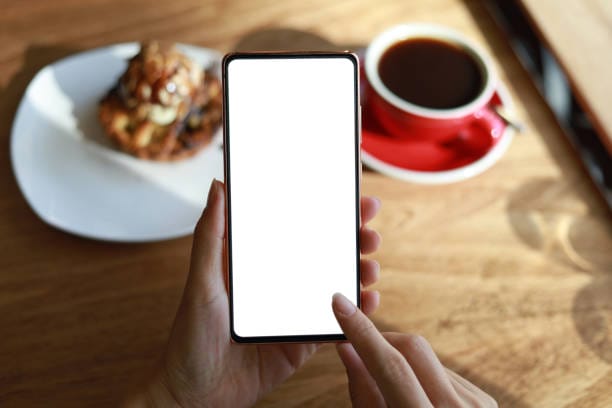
x: 430, y: 82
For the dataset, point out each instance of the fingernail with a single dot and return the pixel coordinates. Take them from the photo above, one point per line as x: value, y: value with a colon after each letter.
x: 212, y: 192
x: 377, y: 269
x: 378, y: 201
x: 342, y: 305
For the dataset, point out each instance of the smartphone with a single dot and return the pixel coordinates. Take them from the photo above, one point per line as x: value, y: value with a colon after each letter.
x: 292, y: 172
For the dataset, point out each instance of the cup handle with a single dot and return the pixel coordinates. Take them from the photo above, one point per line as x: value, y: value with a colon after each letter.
x: 489, y: 121
x: 482, y: 132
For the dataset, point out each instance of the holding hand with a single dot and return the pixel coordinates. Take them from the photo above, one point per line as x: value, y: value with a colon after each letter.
x: 396, y: 369
x: 201, y: 366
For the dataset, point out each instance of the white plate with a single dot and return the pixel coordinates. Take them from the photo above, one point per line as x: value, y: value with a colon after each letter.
x: 450, y: 176
x: 75, y: 180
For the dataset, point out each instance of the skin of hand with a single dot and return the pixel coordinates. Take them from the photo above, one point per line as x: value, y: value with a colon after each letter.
x: 397, y: 369
x: 201, y: 366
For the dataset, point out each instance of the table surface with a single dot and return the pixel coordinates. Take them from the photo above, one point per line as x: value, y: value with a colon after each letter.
x: 580, y: 35
x: 509, y: 274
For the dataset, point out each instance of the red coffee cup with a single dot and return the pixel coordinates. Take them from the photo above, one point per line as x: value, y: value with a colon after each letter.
x: 403, y: 119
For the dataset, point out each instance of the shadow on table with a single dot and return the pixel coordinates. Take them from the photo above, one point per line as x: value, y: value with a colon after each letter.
x: 551, y: 219
x: 564, y: 218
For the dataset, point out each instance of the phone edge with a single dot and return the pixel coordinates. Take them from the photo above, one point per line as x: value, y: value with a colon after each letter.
x: 227, y: 59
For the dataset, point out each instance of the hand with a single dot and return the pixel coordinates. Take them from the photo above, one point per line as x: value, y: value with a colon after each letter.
x: 396, y: 369
x: 201, y: 366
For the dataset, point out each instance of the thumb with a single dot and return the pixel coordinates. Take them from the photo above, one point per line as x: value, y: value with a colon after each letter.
x: 206, y: 280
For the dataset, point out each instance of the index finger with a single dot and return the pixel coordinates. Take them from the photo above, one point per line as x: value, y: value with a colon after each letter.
x: 392, y: 373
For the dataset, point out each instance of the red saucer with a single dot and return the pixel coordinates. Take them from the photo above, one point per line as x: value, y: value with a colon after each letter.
x: 471, y: 144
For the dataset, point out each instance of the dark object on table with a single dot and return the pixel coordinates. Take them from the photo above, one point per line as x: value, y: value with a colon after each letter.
x: 553, y: 85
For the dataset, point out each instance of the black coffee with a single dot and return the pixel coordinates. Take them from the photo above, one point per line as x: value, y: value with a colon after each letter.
x: 431, y: 73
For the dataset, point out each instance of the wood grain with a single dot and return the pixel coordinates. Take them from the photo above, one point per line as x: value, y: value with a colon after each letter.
x: 579, y: 34
x: 509, y: 274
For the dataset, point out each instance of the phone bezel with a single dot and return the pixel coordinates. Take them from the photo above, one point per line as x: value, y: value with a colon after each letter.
x: 227, y: 59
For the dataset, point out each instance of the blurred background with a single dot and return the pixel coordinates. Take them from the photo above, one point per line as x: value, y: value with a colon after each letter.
x: 508, y: 274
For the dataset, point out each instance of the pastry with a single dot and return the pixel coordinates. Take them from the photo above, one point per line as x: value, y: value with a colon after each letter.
x: 164, y: 107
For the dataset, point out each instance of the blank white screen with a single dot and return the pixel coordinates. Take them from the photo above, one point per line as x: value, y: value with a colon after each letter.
x: 292, y: 134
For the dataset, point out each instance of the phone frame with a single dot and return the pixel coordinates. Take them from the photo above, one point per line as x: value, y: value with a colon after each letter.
x: 227, y: 59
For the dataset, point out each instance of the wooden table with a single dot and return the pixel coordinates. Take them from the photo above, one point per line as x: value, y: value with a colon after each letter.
x: 509, y: 274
